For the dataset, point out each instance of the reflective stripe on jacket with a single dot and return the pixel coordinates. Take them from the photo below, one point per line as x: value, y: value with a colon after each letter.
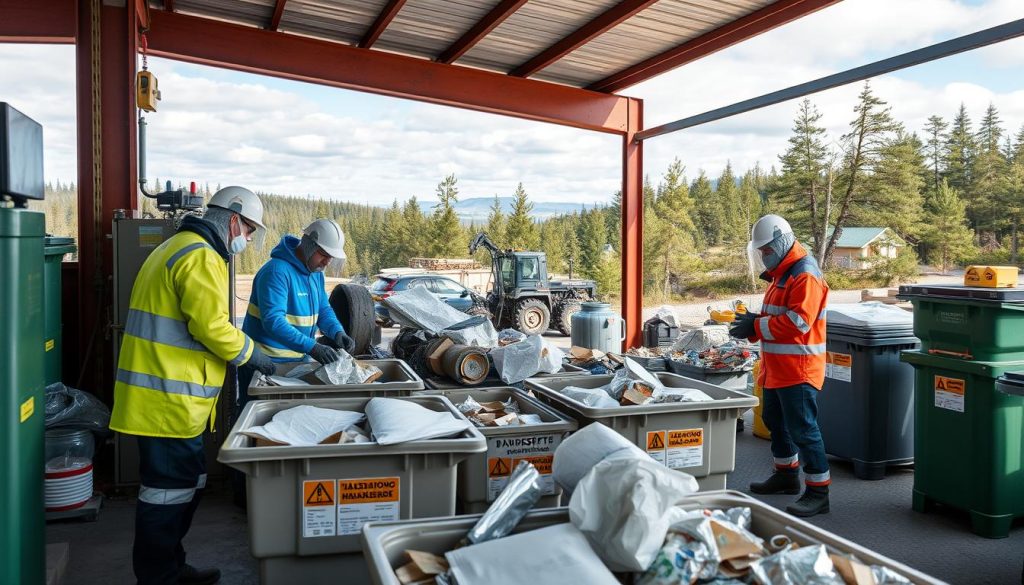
x: 177, y: 342
x: 287, y: 305
x: 792, y: 324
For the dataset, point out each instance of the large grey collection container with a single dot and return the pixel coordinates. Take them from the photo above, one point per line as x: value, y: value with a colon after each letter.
x: 484, y: 475
x: 294, y: 493
x: 385, y: 543
x: 734, y: 378
x: 698, y: 438
x: 866, y: 406
x: 397, y: 379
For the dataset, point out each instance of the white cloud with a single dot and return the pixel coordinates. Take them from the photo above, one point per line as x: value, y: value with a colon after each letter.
x: 277, y: 137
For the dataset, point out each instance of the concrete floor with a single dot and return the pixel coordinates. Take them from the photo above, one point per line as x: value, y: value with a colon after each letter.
x: 875, y: 514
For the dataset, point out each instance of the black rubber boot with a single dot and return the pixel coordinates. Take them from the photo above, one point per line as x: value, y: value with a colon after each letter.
x: 781, y: 482
x: 813, y: 502
x: 190, y: 575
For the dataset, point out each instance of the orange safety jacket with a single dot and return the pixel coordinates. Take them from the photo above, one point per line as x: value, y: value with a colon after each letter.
x: 791, y: 328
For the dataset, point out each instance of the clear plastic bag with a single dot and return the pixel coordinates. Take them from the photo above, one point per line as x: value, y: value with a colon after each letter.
x: 74, y: 409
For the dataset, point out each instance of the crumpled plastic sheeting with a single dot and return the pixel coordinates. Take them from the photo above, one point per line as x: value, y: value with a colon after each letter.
x: 738, y: 519
x: 886, y: 576
x: 592, y: 397
x: 301, y: 370
x: 346, y: 371
x: 632, y: 373
x: 503, y: 515
x: 421, y: 309
x: 667, y: 314
x: 519, y: 361
x: 70, y: 408
x: 584, y: 449
x: 625, y: 505
x: 475, y: 330
x: 282, y: 381
x: 702, y: 338
x: 305, y: 425
x: 509, y: 336
x: 868, y: 315
x: 807, y: 565
x: 680, y: 561
x: 398, y: 421
x: 681, y: 395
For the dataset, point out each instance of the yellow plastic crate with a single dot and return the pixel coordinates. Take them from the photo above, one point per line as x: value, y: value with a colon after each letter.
x: 991, y: 276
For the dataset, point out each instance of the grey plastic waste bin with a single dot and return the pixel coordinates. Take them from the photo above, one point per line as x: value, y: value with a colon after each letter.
x: 397, y: 379
x: 866, y: 407
x: 306, y: 505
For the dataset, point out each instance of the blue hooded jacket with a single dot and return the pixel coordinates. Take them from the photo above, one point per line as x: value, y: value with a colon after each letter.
x: 287, y: 305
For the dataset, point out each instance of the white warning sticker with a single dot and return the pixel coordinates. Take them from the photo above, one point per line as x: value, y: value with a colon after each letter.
x: 372, y: 499
x: 685, y: 448
x: 318, y: 508
x: 656, y: 445
x: 949, y: 393
x: 839, y: 366
x: 505, y: 453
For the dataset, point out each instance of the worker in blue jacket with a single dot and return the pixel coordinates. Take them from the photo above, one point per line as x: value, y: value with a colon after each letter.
x: 289, y: 302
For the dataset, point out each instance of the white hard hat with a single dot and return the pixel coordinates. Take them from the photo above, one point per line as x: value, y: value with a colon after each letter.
x: 328, y: 236
x: 767, y: 229
x: 240, y: 200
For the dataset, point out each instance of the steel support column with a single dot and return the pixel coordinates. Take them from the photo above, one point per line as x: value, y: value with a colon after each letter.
x: 107, y: 171
x: 633, y: 226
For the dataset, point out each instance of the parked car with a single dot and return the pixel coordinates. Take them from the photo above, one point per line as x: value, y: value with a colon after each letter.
x: 447, y: 289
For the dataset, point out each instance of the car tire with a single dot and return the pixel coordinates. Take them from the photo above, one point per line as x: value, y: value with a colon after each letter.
x: 532, y: 317
x: 353, y: 305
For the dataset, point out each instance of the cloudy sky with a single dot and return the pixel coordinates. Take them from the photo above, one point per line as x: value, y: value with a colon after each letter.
x: 280, y: 136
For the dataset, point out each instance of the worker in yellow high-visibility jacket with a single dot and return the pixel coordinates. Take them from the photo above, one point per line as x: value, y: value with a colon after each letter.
x: 178, y: 342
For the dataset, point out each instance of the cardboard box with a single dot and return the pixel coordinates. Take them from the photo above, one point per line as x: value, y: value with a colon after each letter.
x: 991, y: 276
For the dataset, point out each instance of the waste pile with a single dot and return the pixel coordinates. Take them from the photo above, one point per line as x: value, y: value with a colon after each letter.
x: 386, y: 421
x: 346, y: 370
x: 628, y: 522
x: 646, y: 352
x: 594, y: 360
x: 437, y: 340
x: 632, y: 385
x: 729, y: 355
x: 496, y: 413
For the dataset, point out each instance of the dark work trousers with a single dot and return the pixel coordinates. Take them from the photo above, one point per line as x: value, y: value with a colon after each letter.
x: 791, y: 414
x: 172, y: 473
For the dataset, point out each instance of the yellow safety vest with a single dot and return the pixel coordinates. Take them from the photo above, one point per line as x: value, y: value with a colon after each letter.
x: 178, y: 340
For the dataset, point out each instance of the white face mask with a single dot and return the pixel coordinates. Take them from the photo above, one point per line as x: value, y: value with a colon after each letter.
x: 238, y: 244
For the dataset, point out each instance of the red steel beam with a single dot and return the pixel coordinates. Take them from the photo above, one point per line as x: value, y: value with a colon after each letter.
x: 739, y: 30
x: 169, y: 5
x: 275, y: 20
x: 633, y: 226
x: 38, y: 21
x: 107, y: 171
x: 219, y: 44
x: 496, y: 16
x: 603, y: 23
x: 383, y: 20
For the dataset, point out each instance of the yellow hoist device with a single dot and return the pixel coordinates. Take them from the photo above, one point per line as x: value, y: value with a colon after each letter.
x: 147, y: 93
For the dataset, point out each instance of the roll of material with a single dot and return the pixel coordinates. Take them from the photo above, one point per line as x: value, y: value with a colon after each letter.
x: 584, y: 449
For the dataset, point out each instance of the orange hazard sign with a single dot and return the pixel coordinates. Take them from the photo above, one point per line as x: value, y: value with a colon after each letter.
x: 318, y: 493
x: 655, y: 440
x: 685, y: 438
x: 499, y: 467
x: 951, y: 385
x: 368, y: 490
x: 543, y: 463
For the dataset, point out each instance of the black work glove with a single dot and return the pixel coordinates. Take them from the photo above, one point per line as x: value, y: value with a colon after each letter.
x: 743, y: 326
x: 324, y: 353
x: 345, y: 342
x: 260, y: 362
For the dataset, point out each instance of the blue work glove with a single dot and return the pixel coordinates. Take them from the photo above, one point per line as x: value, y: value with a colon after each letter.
x: 324, y: 354
x: 345, y: 342
x: 260, y: 362
x: 743, y: 326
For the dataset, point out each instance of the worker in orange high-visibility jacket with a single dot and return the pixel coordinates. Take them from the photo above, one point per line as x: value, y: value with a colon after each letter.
x: 791, y: 329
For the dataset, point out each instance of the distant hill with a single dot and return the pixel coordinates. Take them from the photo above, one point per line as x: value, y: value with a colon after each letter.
x: 478, y: 208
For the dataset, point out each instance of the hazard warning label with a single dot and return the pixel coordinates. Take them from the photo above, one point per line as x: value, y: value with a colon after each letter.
x: 685, y: 448
x: 839, y: 366
x: 656, y: 446
x: 505, y: 453
x: 949, y: 393
x: 318, y: 508
x: 372, y: 499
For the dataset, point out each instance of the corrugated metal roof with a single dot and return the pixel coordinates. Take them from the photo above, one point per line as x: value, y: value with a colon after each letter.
x: 858, y: 237
x: 425, y: 28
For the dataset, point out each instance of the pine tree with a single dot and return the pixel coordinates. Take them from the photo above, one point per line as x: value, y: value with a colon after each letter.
x: 520, y: 231
x: 726, y: 195
x: 593, y: 237
x: 893, y: 196
x: 414, y: 233
x: 674, y: 236
x: 573, y: 253
x: 447, y: 239
x: 989, y: 175
x: 935, y: 144
x: 553, y: 243
x: 1018, y: 146
x: 749, y: 204
x: 960, y: 151
x: 706, y: 213
x: 947, y: 235
x: 805, y: 187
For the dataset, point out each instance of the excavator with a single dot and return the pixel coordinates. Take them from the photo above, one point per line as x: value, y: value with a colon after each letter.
x: 523, y: 297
